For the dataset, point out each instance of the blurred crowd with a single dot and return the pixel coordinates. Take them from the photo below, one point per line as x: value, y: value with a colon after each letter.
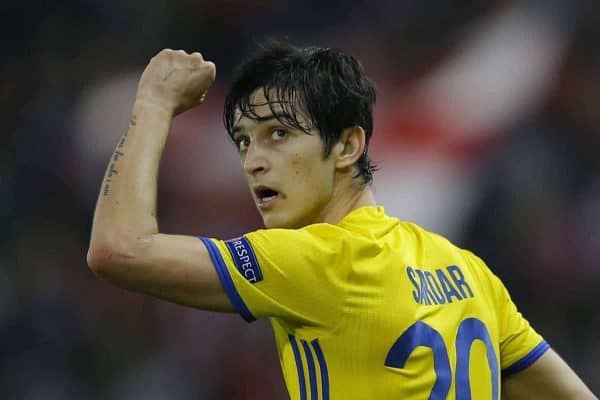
x: 487, y: 130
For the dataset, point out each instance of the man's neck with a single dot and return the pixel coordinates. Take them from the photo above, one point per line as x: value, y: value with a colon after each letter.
x: 347, y: 200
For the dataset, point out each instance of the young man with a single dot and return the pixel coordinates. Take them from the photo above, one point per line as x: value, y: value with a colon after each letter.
x: 363, y: 306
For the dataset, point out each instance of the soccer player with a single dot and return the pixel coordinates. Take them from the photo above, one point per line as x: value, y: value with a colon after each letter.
x: 363, y: 305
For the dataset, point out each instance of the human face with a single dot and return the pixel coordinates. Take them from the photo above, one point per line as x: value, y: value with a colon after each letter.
x: 290, y: 182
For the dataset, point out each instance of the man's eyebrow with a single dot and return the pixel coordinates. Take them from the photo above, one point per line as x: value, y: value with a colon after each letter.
x: 269, y: 117
x: 264, y: 118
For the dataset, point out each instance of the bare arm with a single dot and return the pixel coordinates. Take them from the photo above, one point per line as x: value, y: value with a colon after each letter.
x: 548, y: 378
x: 126, y: 247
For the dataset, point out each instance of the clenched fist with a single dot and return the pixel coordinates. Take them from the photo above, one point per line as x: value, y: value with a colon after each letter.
x: 175, y: 80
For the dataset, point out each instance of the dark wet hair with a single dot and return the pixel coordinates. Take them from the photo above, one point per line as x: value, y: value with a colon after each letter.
x: 328, y: 85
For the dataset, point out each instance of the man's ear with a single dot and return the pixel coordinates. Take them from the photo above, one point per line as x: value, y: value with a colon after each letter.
x: 349, y: 147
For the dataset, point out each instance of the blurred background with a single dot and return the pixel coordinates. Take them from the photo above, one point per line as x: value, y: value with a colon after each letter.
x: 487, y: 130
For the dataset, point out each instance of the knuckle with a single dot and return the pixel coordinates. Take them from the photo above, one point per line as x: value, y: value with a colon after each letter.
x: 210, y: 67
x: 162, y: 54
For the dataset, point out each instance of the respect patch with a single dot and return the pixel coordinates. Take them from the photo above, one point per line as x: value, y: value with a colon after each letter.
x: 244, y: 259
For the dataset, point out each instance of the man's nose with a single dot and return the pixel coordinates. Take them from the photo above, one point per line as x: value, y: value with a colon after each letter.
x: 255, y: 161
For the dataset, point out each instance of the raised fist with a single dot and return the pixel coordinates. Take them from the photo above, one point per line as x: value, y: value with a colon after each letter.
x: 175, y: 80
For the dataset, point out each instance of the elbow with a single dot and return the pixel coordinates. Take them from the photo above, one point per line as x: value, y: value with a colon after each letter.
x: 106, y: 257
x: 100, y: 259
x: 113, y: 258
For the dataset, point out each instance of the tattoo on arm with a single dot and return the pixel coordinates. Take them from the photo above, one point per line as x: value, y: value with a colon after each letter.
x: 112, y: 168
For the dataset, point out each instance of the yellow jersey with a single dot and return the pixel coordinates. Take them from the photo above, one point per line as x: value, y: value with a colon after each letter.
x: 377, y: 308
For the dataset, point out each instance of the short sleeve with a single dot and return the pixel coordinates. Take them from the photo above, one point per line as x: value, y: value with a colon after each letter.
x: 295, y: 275
x: 520, y: 344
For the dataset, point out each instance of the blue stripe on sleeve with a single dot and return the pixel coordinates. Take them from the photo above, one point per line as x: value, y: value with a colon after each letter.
x: 526, y: 361
x: 323, y: 368
x: 311, y: 370
x: 299, y: 367
x: 226, y: 281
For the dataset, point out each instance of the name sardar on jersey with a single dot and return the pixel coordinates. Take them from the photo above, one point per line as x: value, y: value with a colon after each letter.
x: 447, y: 284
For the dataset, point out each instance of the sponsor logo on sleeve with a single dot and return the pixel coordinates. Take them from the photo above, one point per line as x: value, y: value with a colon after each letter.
x: 245, y: 259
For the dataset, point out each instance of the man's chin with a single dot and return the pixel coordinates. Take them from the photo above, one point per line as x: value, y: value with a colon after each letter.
x: 273, y: 221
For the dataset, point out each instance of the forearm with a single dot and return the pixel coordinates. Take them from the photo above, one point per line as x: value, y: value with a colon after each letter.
x: 124, y: 245
x: 126, y: 206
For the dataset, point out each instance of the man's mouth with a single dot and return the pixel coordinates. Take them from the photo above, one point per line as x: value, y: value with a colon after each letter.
x: 265, y: 195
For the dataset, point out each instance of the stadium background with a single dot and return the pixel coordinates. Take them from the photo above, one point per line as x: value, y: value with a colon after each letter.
x: 487, y: 130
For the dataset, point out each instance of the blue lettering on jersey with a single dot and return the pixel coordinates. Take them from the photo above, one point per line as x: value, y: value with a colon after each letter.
x: 439, y: 288
x: 459, y: 280
x: 245, y: 259
x: 411, y: 275
x: 449, y: 289
x: 435, y: 288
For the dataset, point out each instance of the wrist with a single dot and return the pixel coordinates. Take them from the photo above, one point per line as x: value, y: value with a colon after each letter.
x: 154, y: 106
x: 153, y: 119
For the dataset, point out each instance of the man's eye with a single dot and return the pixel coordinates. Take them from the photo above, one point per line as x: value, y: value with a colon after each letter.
x: 242, y: 143
x: 278, y: 133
